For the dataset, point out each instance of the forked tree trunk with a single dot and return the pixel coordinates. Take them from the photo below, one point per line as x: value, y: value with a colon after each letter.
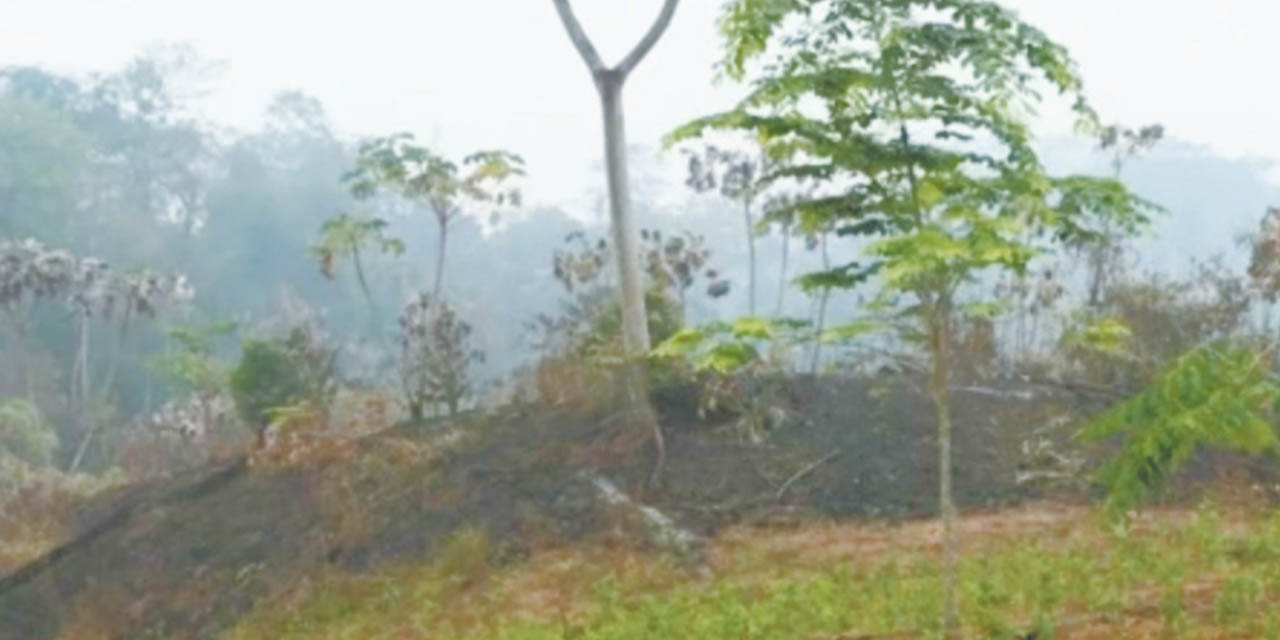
x: 940, y: 347
x: 635, y: 326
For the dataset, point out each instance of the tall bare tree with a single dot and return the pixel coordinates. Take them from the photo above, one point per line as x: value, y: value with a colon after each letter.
x: 609, y: 82
x: 738, y: 177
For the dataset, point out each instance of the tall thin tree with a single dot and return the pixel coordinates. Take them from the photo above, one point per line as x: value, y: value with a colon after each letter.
x: 919, y: 147
x: 609, y: 82
x: 737, y: 176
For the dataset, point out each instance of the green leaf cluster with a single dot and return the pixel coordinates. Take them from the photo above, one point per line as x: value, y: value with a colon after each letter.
x: 913, y: 116
x: 1108, y: 335
x: 396, y: 164
x: 193, y: 364
x: 1219, y: 395
x: 345, y: 235
x: 728, y: 347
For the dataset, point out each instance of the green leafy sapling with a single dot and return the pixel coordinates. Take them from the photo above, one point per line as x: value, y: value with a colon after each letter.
x: 912, y: 116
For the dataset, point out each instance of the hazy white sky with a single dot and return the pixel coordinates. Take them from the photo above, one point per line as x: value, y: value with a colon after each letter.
x: 470, y: 74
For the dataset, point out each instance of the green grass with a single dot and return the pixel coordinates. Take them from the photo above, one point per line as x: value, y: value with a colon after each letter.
x: 1173, y: 579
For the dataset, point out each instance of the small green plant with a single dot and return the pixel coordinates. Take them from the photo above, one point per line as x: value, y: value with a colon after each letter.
x: 464, y: 556
x: 735, y: 369
x: 583, y: 356
x: 316, y: 360
x: 1239, y: 596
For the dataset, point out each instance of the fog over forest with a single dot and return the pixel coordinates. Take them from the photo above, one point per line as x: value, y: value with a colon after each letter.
x: 225, y: 269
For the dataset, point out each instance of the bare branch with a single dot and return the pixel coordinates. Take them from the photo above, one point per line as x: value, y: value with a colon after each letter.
x: 578, y: 37
x: 660, y: 25
x: 804, y: 472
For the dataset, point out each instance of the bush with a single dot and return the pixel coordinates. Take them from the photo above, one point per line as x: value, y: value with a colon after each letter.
x: 316, y: 361
x: 265, y: 379
x: 734, y: 370
x: 435, y: 355
x: 582, y: 345
x: 1145, y: 325
x: 193, y: 365
x: 24, y: 434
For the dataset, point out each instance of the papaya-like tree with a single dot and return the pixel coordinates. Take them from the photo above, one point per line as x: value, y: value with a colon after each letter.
x: 396, y: 165
x: 914, y: 116
x: 346, y: 236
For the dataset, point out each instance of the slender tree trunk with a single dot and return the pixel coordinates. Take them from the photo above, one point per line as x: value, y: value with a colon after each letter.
x: 751, y: 257
x: 1022, y: 320
x: 364, y: 285
x: 368, y: 295
x: 782, y: 273
x: 1097, y: 271
x: 635, y: 328
x: 635, y: 324
x: 109, y: 381
x: 1034, y: 340
x: 82, y: 400
x: 940, y: 348
x: 440, y: 249
x: 822, y: 311
x: 83, y: 448
x: 79, y: 393
x: 26, y: 365
x: 91, y: 400
x: 79, y: 369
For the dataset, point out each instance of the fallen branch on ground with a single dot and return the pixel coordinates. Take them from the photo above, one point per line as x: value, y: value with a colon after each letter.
x: 804, y: 472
